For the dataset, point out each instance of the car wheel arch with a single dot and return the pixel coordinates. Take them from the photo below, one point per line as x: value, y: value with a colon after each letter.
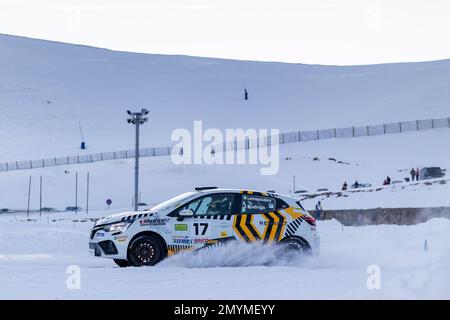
x: 150, y: 234
x: 298, y: 238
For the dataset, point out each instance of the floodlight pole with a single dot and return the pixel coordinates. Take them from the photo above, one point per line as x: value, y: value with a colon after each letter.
x: 137, y: 118
x: 136, y: 168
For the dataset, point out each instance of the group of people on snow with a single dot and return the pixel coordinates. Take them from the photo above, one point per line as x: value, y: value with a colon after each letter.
x: 414, y: 174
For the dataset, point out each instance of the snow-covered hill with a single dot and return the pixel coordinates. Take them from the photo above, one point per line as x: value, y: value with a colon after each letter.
x: 47, y: 87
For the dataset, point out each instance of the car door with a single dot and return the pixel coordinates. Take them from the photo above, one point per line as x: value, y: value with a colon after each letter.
x: 211, y: 222
x: 259, y: 219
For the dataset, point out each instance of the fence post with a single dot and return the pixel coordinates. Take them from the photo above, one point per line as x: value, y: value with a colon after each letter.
x: 43, y: 163
x: 353, y: 131
x: 384, y: 128
x: 448, y: 120
x: 67, y: 159
x: 317, y: 133
x: 31, y: 165
x: 335, y: 132
x: 17, y: 165
x: 417, y: 125
x: 78, y: 158
x: 7, y: 167
x: 400, y: 125
x: 367, y: 129
x: 299, y: 136
x: 432, y: 123
x: 55, y: 161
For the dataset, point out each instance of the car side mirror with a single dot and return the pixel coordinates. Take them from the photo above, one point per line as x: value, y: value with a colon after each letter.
x: 186, y: 213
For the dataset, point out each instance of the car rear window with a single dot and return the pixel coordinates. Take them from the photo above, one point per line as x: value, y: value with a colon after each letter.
x: 257, y: 204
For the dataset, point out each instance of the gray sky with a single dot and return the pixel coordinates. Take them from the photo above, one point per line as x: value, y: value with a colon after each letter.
x: 309, y: 31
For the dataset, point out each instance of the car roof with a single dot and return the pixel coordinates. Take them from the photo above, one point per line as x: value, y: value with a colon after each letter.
x: 244, y: 191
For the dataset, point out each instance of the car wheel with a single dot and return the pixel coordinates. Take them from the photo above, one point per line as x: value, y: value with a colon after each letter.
x: 145, y: 251
x: 291, y: 247
x: 122, y: 263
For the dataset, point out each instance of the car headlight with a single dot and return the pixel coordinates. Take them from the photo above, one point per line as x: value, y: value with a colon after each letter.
x: 117, y: 227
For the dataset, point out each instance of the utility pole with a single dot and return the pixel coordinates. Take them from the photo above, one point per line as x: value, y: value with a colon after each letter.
x: 87, y: 193
x: 29, y: 195
x: 138, y: 119
x: 294, y: 184
x: 76, y: 192
x: 40, y: 196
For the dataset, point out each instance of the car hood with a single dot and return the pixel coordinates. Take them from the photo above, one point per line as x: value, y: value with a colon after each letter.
x: 120, y: 216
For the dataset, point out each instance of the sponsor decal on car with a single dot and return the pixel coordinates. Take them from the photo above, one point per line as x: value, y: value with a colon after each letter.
x: 154, y: 222
x: 182, y: 240
x: 223, y: 234
x: 181, y: 227
x: 271, y: 223
x: 201, y: 240
x: 120, y: 238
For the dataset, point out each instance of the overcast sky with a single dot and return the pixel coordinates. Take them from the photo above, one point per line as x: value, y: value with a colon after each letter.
x: 308, y: 31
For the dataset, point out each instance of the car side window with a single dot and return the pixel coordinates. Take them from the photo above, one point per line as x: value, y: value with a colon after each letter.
x: 252, y: 204
x: 213, y: 204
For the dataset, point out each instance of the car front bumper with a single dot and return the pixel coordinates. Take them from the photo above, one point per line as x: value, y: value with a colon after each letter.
x: 106, y: 245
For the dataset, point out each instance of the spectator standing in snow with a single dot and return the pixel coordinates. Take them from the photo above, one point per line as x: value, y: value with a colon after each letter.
x: 356, y: 185
x: 318, y: 210
x: 417, y: 174
x: 388, y: 180
x: 413, y: 174
x: 344, y: 186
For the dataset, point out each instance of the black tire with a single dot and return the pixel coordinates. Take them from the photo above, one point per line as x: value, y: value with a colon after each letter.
x: 294, y: 247
x: 145, y: 251
x: 122, y: 263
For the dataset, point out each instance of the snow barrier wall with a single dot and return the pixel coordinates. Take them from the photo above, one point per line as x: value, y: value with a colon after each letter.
x: 289, y: 137
x: 398, y: 216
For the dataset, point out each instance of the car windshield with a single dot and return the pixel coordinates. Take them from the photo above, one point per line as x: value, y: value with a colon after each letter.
x: 174, y: 202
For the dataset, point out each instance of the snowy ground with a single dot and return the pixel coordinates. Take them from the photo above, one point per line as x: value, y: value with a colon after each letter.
x: 34, y: 257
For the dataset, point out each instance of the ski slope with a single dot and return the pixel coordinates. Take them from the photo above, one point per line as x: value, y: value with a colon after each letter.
x: 35, y: 257
x: 47, y: 87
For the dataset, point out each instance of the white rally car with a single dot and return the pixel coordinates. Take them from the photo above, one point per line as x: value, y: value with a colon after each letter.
x: 202, y: 219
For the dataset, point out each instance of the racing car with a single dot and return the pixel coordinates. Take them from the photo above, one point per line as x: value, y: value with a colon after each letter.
x: 204, y: 218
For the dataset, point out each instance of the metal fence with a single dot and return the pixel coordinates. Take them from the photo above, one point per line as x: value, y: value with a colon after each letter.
x: 288, y: 137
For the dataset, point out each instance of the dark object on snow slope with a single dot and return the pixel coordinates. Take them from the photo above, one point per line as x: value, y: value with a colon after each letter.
x: 430, y: 173
x: 344, y: 186
x: 6, y: 210
x: 73, y: 208
x: 49, y: 209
